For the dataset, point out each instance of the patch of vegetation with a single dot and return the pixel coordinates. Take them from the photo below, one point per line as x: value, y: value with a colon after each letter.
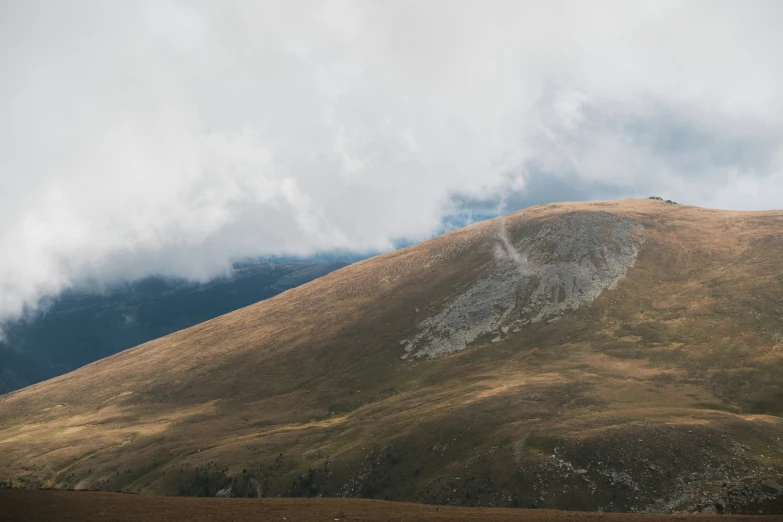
x: 756, y: 389
x: 663, y: 379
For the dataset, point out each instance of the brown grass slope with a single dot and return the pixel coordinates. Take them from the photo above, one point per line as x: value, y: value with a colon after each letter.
x: 662, y: 395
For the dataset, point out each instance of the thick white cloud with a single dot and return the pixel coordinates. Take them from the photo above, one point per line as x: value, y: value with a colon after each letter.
x: 172, y: 137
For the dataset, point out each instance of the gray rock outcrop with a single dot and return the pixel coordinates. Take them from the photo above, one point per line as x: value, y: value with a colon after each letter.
x: 569, y: 262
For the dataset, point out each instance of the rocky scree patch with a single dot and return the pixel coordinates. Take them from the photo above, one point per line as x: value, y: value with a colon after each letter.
x: 569, y: 262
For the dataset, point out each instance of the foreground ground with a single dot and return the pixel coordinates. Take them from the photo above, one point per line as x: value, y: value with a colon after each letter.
x: 87, y: 506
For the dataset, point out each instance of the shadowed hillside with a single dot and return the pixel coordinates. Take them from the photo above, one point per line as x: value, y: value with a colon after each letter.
x: 615, y: 356
x: 80, y: 328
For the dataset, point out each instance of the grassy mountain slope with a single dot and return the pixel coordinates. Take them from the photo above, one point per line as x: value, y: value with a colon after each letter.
x: 80, y: 328
x: 596, y: 356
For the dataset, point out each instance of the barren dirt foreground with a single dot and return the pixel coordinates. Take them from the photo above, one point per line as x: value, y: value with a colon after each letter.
x: 90, y: 506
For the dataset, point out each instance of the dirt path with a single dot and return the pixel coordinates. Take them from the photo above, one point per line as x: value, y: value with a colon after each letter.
x: 87, y: 506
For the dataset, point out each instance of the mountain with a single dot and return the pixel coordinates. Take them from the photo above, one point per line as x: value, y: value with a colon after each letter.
x: 602, y: 356
x: 82, y: 327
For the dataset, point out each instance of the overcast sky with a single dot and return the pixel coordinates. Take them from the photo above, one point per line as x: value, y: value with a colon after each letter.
x: 171, y: 137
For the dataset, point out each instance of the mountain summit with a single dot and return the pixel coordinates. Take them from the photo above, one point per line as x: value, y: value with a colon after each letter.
x: 616, y: 356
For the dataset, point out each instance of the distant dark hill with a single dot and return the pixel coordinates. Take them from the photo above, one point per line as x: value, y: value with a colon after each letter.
x: 81, y: 328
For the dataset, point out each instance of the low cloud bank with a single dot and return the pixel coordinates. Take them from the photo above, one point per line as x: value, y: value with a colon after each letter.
x: 171, y: 137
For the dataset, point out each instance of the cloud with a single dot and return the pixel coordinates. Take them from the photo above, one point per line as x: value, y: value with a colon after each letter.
x: 171, y: 137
